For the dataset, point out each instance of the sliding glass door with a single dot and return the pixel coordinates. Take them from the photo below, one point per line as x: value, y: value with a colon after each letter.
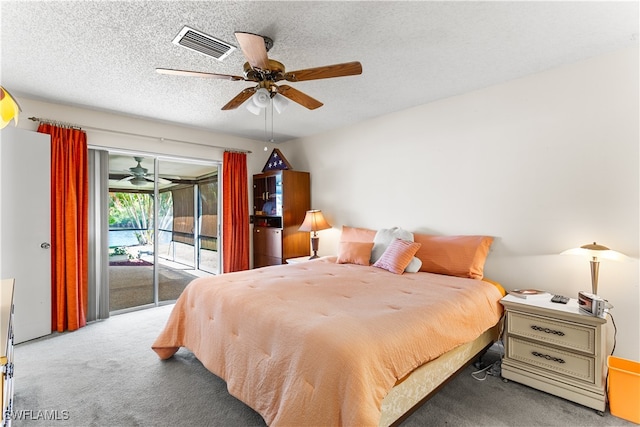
x: 208, y: 221
x: 131, y: 236
x: 163, y: 227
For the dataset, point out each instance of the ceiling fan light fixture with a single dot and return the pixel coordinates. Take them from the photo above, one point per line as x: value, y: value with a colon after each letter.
x: 138, y: 181
x: 261, y: 98
x: 253, y: 108
x: 280, y: 103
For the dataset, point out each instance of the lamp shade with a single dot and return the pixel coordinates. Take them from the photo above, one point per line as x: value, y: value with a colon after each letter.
x: 280, y: 103
x: 314, y: 221
x: 253, y: 108
x: 595, y: 253
x: 261, y: 98
x: 9, y: 108
x: 594, y: 250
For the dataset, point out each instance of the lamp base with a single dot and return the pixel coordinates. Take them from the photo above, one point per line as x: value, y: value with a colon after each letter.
x: 314, y: 247
x: 595, y: 266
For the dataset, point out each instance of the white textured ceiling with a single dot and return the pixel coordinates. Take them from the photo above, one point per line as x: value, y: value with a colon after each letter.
x: 102, y: 54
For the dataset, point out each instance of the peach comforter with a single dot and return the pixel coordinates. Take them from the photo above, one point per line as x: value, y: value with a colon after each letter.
x: 320, y: 343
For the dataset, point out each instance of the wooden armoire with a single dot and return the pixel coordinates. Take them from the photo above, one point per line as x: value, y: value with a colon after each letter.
x: 281, y: 199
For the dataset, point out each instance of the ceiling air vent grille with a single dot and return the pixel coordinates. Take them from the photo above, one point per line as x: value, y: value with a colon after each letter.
x: 203, y: 43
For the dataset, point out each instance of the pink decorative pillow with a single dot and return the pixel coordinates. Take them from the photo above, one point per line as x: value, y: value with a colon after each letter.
x: 353, y: 234
x: 461, y: 256
x: 354, y: 253
x: 397, y: 256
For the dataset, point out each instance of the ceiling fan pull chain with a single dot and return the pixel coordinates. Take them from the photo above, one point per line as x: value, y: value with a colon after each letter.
x: 265, y: 126
x: 271, y: 140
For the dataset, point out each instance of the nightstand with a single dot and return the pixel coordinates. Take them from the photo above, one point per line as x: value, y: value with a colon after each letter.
x: 554, y: 348
x: 297, y: 260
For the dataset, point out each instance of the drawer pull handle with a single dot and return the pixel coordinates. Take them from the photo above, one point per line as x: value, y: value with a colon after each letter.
x: 547, y: 330
x: 548, y: 357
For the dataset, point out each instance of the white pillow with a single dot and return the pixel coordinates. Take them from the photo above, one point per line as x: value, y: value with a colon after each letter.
x: 384, y: 237
x: 414, y: 265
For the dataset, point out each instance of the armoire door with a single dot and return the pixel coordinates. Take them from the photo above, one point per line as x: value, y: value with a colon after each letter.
x: 267, y: 246
x: 25, y: 217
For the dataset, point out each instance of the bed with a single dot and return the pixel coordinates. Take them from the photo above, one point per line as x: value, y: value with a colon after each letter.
x: 329, y: 342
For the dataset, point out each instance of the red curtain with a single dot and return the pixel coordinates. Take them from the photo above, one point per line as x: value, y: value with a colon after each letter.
x: 235, y: 212
x: 69, y: 232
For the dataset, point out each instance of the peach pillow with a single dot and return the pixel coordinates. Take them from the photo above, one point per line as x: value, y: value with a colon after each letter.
x: 354, y: 253
x: 461, y: 256
x: 397, y: 256
x: 353, y: 234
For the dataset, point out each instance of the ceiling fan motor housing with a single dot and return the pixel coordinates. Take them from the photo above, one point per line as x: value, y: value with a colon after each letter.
x: 274, y: 73
x: 138, y: 170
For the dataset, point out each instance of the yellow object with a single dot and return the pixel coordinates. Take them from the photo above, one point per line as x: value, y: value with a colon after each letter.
x: 496, y: 284
x: 9, y: 108
x: 624, y: 388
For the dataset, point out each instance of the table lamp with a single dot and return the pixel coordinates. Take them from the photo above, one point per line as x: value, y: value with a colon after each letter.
x: 595, y: 253
x: 313, y: 222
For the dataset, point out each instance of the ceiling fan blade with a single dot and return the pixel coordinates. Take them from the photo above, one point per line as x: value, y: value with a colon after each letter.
x: 197, y: 74
x: 301, y: 98
x: 164, y: 181
x: 254, y: 50
x: 239, y: 98
x: 128, y: 178
x: 326, y: 72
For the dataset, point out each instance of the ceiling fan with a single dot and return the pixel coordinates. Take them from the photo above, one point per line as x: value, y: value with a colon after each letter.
x: 266, y: 72
x: 139, y: 175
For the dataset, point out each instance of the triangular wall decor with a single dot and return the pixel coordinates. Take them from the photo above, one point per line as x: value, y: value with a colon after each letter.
x: 276, y: 162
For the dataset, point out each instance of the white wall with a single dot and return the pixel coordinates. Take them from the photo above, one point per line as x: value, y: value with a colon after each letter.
x: 543, y: 163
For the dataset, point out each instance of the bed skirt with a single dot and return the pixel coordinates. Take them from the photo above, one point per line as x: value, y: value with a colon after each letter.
x: 414, y: 390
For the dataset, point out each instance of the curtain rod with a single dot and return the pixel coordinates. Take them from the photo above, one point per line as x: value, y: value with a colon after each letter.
x: 138, y: 135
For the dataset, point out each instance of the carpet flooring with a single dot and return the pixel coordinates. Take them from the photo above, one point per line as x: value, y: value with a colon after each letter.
x: 106, y: 374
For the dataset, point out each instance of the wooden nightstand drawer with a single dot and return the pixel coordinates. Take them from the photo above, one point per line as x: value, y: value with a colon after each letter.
x: 562, y: 362
x: 552, y: 331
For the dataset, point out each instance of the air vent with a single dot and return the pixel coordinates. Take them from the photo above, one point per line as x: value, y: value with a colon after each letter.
x: 203, y: 43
